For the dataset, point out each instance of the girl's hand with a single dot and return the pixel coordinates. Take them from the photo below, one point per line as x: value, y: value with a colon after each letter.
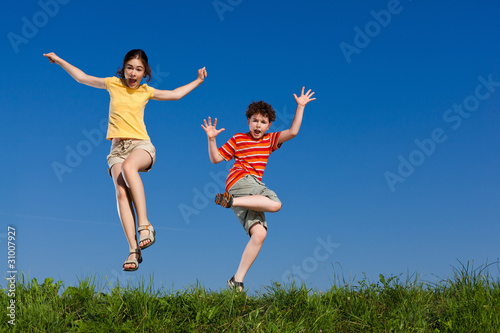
x: 53, y: 58
x: 303, y: 99
x: 212, y: 132
x: 202, y: 74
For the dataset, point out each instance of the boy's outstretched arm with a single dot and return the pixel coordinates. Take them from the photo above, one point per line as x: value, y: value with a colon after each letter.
x: 178, y: 93
x: 302, y: 100
x: 76, y: 73
x: 212, y: 133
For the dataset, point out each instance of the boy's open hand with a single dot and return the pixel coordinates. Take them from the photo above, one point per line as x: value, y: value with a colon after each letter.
x: 303, y: 99
x: 212, y: 132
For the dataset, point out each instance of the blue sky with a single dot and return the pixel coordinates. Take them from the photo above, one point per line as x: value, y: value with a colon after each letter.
x: 394, y: 170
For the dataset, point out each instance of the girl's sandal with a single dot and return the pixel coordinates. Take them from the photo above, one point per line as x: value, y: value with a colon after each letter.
x: 135, y: 262
x: 150, y: 236
x: 231, y: 283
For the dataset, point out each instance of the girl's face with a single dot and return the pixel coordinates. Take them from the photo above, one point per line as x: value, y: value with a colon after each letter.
x: 134, y: 72
x: 258, y: 125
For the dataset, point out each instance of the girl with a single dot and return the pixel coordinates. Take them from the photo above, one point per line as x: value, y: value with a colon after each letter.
x: 131, y: 148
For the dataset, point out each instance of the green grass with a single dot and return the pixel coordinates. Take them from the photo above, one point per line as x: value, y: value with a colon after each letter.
x: 467, y: 302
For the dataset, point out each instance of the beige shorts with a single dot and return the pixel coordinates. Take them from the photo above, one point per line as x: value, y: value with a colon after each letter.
x: 250, y: 185
x: 122, y: 148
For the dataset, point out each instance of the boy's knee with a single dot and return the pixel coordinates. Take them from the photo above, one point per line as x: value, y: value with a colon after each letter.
x: 258, y: 233
x: 259, y: 238
x: 276, y: 206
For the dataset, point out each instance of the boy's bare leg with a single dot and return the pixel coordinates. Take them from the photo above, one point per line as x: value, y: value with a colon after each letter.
x: 125, y: 210
x: 138, y: 160
x: 258, y: 203
x: 257, y: 236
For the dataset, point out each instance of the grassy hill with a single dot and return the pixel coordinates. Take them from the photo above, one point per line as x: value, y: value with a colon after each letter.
x: 467, y: 302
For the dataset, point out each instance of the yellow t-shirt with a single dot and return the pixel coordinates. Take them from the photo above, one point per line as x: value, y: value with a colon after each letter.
x: 126, y: 109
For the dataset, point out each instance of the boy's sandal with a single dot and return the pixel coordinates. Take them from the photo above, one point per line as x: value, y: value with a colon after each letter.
x: 231, y: 283
x: 150, y: 236
x: 224, y: 199
x: 135, y: 262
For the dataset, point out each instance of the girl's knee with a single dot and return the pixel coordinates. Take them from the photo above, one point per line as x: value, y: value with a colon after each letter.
x: 127, y: 168
x: 128, y: 171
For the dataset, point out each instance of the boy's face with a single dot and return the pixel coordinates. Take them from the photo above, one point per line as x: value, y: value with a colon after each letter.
x: 258, y: 125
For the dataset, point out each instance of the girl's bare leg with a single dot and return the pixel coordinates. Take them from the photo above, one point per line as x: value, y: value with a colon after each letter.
x: 257, y: 236
x: 138, y: 160
x: 125, y: 210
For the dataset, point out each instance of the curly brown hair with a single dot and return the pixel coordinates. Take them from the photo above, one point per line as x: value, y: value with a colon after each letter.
x: 136, y: 54
x: 261, y: 108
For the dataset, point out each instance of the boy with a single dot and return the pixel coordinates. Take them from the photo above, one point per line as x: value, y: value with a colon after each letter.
x: 245, y: 193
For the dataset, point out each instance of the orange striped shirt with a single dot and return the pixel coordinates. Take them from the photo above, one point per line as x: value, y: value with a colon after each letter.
x: 250, y: 155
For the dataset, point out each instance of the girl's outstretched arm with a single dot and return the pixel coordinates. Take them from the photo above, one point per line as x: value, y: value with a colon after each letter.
x: 76, y: 73
x: 172, y: 95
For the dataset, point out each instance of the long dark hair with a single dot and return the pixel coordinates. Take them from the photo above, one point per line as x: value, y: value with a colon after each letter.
x: 136, y: 54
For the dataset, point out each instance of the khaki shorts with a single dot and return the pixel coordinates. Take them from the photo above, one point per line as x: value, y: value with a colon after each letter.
x: 250, y: 185
x: 122, y: 148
